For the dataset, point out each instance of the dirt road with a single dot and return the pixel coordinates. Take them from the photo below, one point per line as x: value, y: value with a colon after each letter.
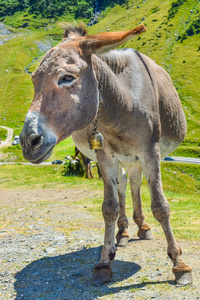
x: 9, y: 137
x: 8, y: 141
x: 50, y: 239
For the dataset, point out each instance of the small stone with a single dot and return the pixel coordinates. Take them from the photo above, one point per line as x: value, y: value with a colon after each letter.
x: 60, y: 238
x: 50, y: 250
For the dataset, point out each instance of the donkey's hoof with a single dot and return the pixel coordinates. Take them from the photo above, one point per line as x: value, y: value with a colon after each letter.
x: 122, y: 239
x: 183, y: 274
x: 101, y: 275
x: 183, y: 278
x: 145, y: 234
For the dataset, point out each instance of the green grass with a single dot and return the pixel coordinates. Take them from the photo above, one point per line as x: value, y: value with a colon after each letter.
x: 188, y: 151
x: 15, y: 84
x: 65, y: 148
x: 3, y: 133
x: 20, y: 176
x: 181, y: 184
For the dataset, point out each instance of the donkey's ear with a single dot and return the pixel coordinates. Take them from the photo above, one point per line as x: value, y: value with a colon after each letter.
x: 103, y: 42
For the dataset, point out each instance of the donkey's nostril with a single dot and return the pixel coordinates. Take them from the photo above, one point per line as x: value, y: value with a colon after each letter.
x: 35, y: 141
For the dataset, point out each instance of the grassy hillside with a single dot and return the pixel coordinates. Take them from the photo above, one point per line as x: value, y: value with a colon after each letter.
x: 19, y: 57
x: 172, y: 40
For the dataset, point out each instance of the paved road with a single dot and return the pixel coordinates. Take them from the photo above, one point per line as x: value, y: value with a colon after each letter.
x: 188, y: 160
x: 26, y: 163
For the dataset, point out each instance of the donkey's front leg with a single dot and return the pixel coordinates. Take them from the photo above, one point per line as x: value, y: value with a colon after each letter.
x: 102, y: 272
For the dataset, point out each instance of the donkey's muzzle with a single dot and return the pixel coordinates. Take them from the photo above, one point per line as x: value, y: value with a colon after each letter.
x: 36, y: 140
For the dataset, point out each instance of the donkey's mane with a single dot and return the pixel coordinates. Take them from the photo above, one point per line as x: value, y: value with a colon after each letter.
x: 75, y: 29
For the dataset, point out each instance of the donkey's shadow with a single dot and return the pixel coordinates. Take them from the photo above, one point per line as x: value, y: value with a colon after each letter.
x: 69, y: 276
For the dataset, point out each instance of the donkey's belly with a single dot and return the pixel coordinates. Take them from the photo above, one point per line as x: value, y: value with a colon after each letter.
x: 127, y: 161
x: 167, y: 146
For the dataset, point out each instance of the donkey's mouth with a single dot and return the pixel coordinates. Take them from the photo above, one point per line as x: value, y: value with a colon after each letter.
x: 38, y: 156
x: 43, y: 157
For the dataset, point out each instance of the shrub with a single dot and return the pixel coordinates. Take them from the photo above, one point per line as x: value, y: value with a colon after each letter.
x: 194, y: 28
x: 73, y: 167
x: 174, y: 8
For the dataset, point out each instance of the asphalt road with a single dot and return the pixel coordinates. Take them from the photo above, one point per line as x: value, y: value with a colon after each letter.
x: 47, y: 163
x: 175, y: 159
x: 188, y: 160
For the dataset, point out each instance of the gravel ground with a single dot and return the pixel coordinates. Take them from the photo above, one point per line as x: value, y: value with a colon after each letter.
x: 49, y: 243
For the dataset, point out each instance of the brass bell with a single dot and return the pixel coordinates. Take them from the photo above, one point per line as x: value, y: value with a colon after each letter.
x: 95, y: 140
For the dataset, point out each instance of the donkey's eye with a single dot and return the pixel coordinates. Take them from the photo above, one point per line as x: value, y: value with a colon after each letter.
x: 66, y: 79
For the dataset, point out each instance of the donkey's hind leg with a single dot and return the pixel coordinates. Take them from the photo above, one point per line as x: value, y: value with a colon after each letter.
x: 122, y: 223
x: 135, y: 177
x: 161, y: 211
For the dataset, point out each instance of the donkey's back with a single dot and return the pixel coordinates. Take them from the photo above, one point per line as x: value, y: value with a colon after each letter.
x: 148, y: 85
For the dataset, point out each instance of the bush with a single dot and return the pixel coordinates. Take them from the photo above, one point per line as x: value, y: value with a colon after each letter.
x: 194, y: 28
x: 73, y: 167
x: 9, y: 7
x: 174, y: 8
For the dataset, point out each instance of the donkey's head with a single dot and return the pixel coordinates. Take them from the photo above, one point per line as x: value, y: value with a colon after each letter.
x: 66, y: 90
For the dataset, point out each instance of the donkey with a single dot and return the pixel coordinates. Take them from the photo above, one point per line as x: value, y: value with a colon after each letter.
x: 83, y: 82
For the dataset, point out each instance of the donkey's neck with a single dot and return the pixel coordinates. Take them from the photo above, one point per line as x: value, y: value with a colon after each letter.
x: 107, y: 70
x: 116, y: 63
x: 115, y: 95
